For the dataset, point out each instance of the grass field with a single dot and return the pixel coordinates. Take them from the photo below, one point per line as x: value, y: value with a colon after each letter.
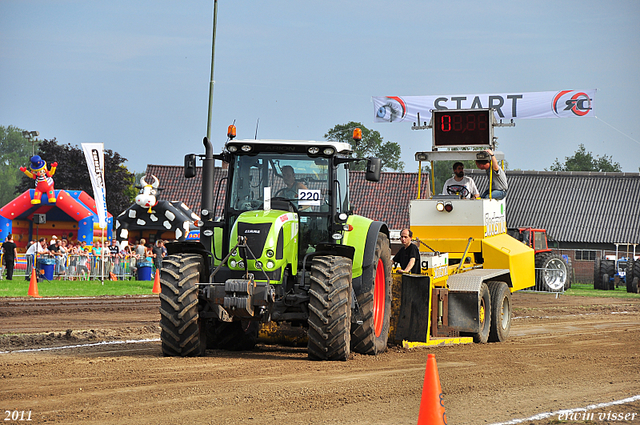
x: 76, y: 288
x: 586, y: 290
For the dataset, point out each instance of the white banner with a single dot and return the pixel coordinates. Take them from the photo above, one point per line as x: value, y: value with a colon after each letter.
x: 94, y: 154
x: 549, y: 104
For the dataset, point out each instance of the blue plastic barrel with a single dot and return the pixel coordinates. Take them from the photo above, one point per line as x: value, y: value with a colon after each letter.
x: 47, y: 266
x: 144, y: 270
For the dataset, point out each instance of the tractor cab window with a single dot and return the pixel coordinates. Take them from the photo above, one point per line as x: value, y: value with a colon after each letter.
x: 540, y: 241
x: 298, y: 179
x: 342, y: 188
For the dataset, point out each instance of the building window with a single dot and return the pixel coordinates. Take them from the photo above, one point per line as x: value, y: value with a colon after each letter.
x: 585, y: 255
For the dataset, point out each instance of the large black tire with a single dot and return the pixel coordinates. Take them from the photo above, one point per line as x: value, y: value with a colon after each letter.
x: 500, y: 311
x: 551, y: 272
x: 607, y: 267
x: 632, y: 285
x: 179, y: 318
x: 484, y: 316
x: 632, y: 276
x: 374, y: 300
x: 232, y: 336
x: 597, y: 277
x: 330, y: 308
x: 567, y: 284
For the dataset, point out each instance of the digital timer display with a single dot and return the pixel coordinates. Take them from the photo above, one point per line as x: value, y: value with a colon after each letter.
x: 462, y: 127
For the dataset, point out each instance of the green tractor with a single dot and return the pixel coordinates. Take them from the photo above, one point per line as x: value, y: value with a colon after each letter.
x: 286, y: 249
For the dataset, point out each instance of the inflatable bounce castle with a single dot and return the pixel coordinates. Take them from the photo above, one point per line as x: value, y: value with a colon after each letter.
x: 69, y: 214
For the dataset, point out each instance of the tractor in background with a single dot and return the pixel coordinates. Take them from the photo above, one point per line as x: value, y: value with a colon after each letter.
x: 553, y: 271
x: 613, y: 271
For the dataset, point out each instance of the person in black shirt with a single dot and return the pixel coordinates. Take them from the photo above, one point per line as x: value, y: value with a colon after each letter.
x: 409, y: 256
x: 157, y: 254
x: 10, y: 255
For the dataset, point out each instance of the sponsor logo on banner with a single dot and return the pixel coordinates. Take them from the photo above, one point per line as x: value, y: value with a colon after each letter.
x: 394, y: 110
x: 569, y: 103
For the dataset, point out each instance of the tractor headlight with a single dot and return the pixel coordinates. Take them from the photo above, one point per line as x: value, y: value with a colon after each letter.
x: 258, y: 265
x: 313, y: 150
x: 232, y: 149
x: 440, y: 206
x: 232, y: 263
x: 270, y: 264
x: 246, y: 148
x: 328, y: 151
x: 270, y: 253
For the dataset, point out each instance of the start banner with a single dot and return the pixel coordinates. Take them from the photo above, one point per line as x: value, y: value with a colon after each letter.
x: 548, y: 104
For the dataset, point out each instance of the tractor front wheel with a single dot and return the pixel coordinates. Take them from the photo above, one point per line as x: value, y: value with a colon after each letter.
x: 374, y: 300
x: 607, y: 271
x: 181, y: 329
x: 330, y: 308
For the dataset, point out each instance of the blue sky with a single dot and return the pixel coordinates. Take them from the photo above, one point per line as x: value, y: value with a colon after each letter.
x: 135, y: 74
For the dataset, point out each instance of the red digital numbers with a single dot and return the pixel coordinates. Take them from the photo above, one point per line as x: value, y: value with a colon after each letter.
x: 462, y: 127
x: 462, y: 123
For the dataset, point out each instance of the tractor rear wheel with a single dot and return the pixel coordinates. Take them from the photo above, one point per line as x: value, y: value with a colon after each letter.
x: 484, y: 315
x: 330, y: 308
x: 633, y: 275
x: 607, y: 267
x: 597, y: 277
x: 374, y: 300
x: 500, y: 311
x: 567, y: 284
x: 632, y: 285
x: 551, y: 273
x: 181, y: 329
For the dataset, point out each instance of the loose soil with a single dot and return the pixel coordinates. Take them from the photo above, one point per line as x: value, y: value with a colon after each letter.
x: 563, y: 353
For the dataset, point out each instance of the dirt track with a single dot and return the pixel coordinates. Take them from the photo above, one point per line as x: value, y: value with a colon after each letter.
x: 562, y: 354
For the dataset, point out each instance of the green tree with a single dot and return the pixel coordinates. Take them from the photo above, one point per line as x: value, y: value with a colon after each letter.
x: 15, y: 152
x: 582, y: 160
x: 72, y: 174
x: 371, y: 145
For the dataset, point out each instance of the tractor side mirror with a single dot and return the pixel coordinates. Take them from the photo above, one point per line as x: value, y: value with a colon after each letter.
x: 189, y: 166
x: 374, y: 167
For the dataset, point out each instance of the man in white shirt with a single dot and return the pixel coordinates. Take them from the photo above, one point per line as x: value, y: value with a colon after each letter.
x: 39, y: 248
x: 460, y: 184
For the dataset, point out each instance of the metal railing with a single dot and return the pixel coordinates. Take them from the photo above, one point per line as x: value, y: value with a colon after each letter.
x: 78, y: 267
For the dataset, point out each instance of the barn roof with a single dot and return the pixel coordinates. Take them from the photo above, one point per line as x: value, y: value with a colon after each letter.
x: 574, y: 207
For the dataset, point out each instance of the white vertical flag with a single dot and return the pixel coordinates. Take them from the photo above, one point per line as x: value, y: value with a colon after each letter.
x: 94, y: 154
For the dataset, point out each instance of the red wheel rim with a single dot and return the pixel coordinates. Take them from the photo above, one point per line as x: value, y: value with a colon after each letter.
x: 379, y: 299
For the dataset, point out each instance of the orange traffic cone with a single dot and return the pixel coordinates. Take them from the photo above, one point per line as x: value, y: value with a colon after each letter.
x: 33, y: 285
x: 156, y: 283
x: 431, y: 407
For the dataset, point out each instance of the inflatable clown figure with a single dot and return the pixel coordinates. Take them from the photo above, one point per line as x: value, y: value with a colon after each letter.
x: 44, y: 182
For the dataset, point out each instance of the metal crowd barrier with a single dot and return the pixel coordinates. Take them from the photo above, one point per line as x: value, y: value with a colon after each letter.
x: 75, y: 267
